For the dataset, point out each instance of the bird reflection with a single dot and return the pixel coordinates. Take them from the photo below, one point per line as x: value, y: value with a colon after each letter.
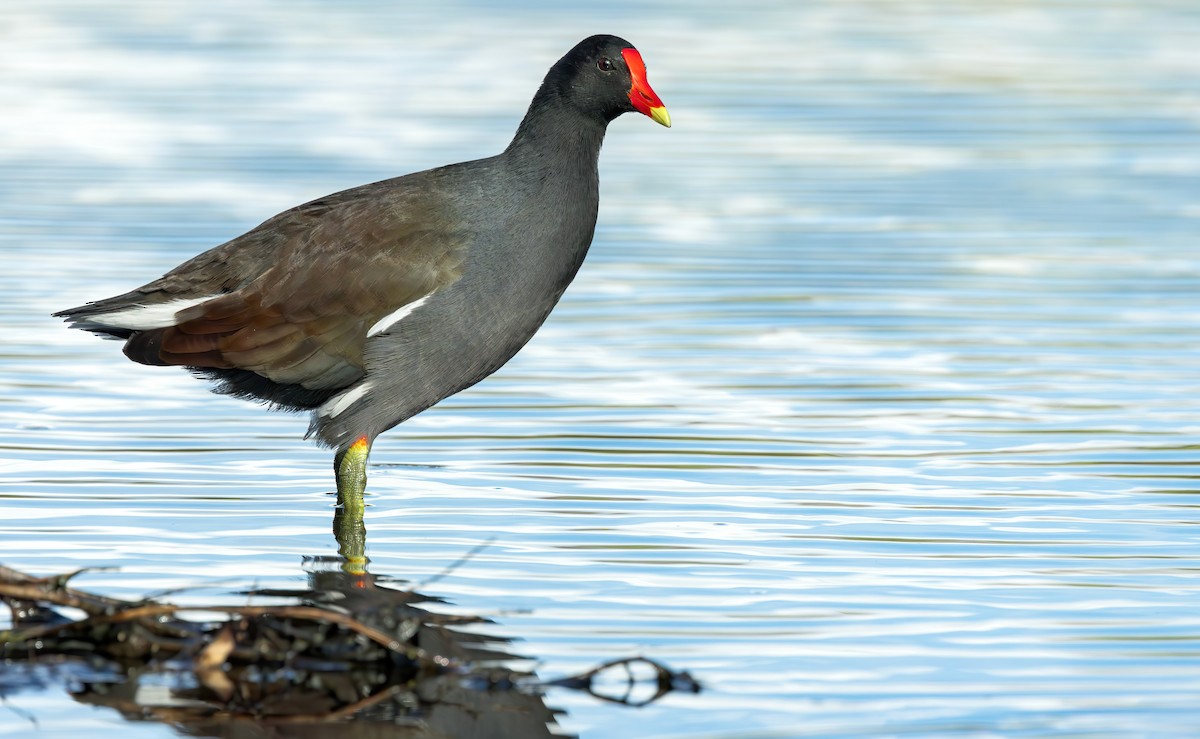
x: 350, y: 531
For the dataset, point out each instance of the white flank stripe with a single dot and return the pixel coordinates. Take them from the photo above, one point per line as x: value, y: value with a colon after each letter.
x: 383, y: 324
x: 343, y: 400
x: 144, y: 317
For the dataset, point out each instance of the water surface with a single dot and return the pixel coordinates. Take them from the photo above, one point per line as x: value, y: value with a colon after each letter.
x: 874, y: 406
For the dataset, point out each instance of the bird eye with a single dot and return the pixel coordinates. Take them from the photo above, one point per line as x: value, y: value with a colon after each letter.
x: 605, y: 64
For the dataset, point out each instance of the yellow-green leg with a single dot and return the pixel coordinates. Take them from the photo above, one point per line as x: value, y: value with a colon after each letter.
x: 350, y: 467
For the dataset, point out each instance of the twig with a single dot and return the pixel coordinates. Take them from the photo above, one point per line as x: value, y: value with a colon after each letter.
x: 455, y: 564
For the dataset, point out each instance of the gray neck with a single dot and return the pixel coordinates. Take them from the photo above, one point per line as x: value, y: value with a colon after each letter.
x: 556, y: 138
x: 553, y: 178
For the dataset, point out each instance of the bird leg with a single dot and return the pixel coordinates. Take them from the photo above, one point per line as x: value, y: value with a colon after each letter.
x: 350, y: 467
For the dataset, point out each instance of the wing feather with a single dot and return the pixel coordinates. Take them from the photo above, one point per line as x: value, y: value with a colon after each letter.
x: 322, y: 281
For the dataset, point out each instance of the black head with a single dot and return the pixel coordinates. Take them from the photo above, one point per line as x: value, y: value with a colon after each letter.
x: 604, y: 76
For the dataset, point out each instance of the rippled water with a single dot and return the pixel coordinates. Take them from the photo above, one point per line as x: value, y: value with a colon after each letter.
x: 875, y: 405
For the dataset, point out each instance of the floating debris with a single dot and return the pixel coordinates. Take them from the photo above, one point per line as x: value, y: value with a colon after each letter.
x: 347, y: 646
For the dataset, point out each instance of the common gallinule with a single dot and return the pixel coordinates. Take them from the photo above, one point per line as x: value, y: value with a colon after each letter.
x: 370, y: 305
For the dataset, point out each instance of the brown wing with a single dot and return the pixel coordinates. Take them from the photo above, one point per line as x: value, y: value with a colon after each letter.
x: 339, y: 268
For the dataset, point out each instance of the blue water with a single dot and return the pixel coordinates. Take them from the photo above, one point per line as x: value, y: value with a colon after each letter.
x: 876, y: 405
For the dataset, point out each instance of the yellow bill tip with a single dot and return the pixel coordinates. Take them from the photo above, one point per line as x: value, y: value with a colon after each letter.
x: 661, y: 115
